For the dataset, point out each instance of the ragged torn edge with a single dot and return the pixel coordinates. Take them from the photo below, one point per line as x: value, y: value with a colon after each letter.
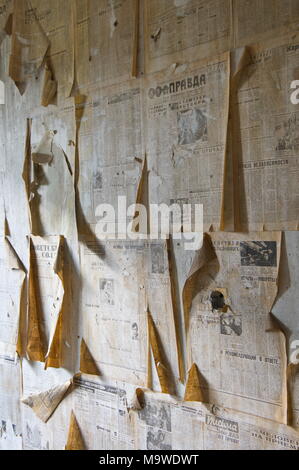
x: 45, y: 403
x: 273, y: 325
x: 50, y: 85
x: 202, y: 258
x: 75, y: 439
x: 36, y: 348
x: 154, y: 343
x: 15, y: 264
x: 16, y: 64
x: 175, y: 309
x: 141, y: 196
x: 42, y: 154
x: 136, y: 8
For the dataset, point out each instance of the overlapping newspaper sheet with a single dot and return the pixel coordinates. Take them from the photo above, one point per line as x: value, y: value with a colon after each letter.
x: 228, y: 297
x: 177, y: 31
x: 186, y: 110
x: 106, y: 41
x: 111, y: 154
x: 167, y: 424
x: 121, y: 285
x: 265, y: 139
x: 183, y: 29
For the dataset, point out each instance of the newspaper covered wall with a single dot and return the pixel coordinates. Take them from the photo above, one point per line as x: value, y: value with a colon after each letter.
x: 134, y: 342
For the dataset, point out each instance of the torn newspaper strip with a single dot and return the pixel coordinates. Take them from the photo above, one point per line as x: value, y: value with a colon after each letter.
x: 46, y: 293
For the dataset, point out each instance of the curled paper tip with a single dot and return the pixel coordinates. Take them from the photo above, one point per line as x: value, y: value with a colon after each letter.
x: 75, y: 440
x: 44, y: 404
x: 157, y: 354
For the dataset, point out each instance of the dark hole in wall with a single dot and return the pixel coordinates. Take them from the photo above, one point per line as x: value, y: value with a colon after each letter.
x: 217, y: 300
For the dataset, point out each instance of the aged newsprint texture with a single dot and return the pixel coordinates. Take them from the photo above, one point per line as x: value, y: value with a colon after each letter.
x: 110, y: 149
x: 103, y: 413
x: 186, y: 131
x: 29, y: 44
x: 106, y: 41
x: 10, y: 415
x: 167, y: 424
x: 13, y: 275
x: 257, y: 20
x: 241, y: 359
x: 179, y: 30
x: 122, y: 282
x: 265, y: 140
x: 51, y: 167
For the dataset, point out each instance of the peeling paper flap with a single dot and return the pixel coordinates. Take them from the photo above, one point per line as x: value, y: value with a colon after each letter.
x: 43, y: 153
x: 87, y: 362
x: 5, y: 19
x: 44, y: 404
x: 135, y: 402
x: 75, y: 439
x: 29, y: 44
x: 46, y: 258
x: 156, y: 350
x: 205, y: 255
x: 27, y: 170
x: 193, y: 387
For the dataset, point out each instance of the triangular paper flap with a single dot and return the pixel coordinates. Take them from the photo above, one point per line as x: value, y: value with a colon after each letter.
x: 45, y: 403
x: 43, y: 154
x: 87, y: 362
x: 75, y: 439
x: 193, y: 389
x: 154, y: 344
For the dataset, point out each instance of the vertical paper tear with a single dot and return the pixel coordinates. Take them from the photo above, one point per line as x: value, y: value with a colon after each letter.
x: 156, y: 350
